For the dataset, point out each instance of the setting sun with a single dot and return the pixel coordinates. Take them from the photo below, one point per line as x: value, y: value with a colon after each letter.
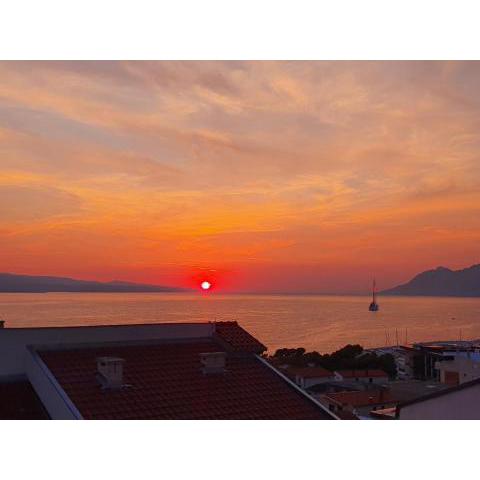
x: 205, y: 285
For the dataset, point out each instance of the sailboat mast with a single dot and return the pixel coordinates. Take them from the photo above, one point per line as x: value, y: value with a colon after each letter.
x: 373, y: 306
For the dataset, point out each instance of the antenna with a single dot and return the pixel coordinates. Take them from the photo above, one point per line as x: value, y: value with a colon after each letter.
x: 396, y: 335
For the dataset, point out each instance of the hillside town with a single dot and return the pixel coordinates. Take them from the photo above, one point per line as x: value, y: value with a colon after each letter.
x: 429, y: 380
x: 217, y: 370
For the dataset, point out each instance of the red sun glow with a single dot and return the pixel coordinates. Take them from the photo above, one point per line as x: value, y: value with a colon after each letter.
x: 205, y: 285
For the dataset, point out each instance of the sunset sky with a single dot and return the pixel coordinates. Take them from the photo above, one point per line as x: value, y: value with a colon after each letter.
x: 259, y: 176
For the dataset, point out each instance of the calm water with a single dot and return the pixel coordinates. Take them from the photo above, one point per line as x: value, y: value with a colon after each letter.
x: 314, y: 322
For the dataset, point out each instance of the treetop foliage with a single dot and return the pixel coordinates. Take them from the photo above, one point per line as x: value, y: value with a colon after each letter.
x: 349, y: 357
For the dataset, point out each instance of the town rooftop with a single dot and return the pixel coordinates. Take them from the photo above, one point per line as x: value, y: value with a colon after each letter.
x: 162, y: 375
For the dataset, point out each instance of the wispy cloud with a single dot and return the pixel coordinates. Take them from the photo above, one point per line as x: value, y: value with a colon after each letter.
x: 249, y: 167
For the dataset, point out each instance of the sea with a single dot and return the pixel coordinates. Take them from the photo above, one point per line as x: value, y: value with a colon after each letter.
x: 314, y: 322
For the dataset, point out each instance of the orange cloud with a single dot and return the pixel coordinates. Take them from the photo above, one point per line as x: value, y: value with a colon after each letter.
x: 280, y: 172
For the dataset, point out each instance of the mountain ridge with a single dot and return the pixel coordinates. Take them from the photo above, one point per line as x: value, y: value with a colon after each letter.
x: 441, y: 282
x: 14, y: 283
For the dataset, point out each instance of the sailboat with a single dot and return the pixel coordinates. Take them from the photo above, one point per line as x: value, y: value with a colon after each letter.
x: 373, y: 307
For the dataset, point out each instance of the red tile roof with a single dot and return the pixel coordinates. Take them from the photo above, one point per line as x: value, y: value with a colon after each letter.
x: 18, y: 401
x: 235, y: 338
x: 165, y: 381
x: 363, y: 398
x: 385, y: 413
x: 362, y: 373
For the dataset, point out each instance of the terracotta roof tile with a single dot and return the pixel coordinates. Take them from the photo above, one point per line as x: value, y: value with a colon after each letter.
x: 18, y: 401
x: 358, y: 399
x: 236, y: 338
x: 166, y: 382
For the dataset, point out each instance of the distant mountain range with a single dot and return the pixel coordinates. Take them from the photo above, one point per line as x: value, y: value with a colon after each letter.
x: 12, y: 283
x: 442, y: 282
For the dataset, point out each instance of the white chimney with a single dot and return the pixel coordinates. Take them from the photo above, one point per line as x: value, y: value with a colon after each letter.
x: 110, y: 371
x: 213, y: 362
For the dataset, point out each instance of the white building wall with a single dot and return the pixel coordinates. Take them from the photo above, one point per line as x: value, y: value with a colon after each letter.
x: 475, y: 356
x: 370, y: 380
x: 309, y: 382
x: 466, y: 368
x: 458, y: 405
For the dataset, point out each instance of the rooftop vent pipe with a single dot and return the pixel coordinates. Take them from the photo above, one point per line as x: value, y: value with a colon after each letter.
x: 213, y: 362
x: 110, y: 372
